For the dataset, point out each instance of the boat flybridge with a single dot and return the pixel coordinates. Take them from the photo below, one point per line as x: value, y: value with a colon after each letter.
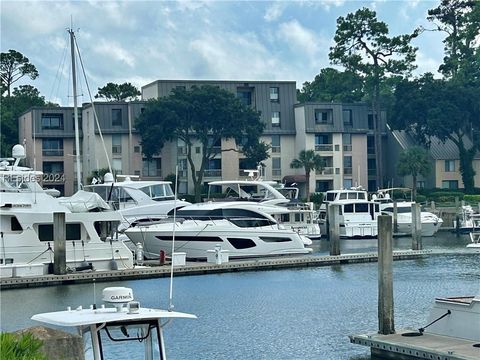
x: 357, y: 215
x: 430, y: 222
x: 107, y: 328
x: 244, y: 229
x: 137, y: 201
x: 287, y: 210
x: 26, y: 219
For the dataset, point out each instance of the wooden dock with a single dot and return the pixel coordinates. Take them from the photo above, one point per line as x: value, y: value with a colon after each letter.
x: 427, y: 346
x: 153, y: 270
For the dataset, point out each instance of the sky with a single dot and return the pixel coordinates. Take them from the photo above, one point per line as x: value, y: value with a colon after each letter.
x: 144, y: 41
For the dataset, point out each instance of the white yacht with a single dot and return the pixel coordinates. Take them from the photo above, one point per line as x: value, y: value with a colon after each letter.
x: 26, y: 219
x: 137, y: 201
x: 431, y: 223
x: 244, y: 229
x: 358, y: 215
x: 291, y: 212
x: 121, y: 320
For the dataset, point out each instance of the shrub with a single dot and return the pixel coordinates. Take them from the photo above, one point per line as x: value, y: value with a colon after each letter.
x: 445, y: 196
x: 472, y: 199
x: 316, y: 198
x: 25, y: 347
x: 421, y: 199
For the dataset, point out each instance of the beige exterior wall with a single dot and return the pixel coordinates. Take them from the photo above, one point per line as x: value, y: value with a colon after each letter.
x: 359, y: 160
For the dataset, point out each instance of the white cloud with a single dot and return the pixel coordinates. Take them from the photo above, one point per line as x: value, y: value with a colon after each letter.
x: 426, y: 63
x: 114, y: 51
x: 300, y: 39
x: 274, y: 11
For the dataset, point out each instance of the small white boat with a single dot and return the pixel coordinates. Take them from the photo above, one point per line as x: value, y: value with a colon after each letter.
x: 358, y: 216
x: 474, y: 232
x: 457, y: 317
x: 242, y: 229
x: 104, y: 329
x: 430, y: 222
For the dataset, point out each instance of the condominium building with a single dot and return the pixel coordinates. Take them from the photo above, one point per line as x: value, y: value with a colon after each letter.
x: 341, y: 133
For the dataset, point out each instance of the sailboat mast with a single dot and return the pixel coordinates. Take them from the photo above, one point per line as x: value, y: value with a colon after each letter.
x: 75, y: 109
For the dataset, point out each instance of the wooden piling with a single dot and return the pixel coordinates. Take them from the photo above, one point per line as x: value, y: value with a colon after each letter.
x: 385, y: 276
x: 59, y: 243
x: 416, y: 227
x: 334, y: 229
x: 395, y: 217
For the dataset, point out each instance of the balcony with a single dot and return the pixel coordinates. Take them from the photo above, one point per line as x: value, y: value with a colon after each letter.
x: 326, y: 171
x: 275, y: 149
x: 347, y: 147
x: 347, y: 171
x: 370, y: 150
x: 182, y: 174
x: 116, y: 149
x: 213, y: 173
x: 324, y: 147
x: 372, y: 172
x: 276, y: 172
x: 52, y: 152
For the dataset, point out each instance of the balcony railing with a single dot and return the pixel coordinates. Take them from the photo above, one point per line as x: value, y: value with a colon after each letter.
x: 347, y: 147
x: 324, y: 147
x: 370, y: 150
x: 347, y: 171
x: 116, y: 149
x: 276, y: 172
x: 182, y: 174
x: 213, y: 173
x: 372, y: 172
x: 52, y: 152
x: 275, y: 149
x: 326, y: 171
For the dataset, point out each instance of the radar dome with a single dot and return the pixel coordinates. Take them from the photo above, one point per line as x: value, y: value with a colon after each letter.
x: 18, y: 152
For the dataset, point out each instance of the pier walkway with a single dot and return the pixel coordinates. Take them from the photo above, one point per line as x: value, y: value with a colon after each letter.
x: 154, y: 270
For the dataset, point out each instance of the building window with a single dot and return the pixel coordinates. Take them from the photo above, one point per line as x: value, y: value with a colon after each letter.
x: 347, y: 183
x: 52, y: 121
x: 116, y: 117
x: 274, y: 94
x: 347, y: 165
x: 347, y: 142
x: 421, y: 184
x: 449, y: 184
x: 371, y: 125
x: 136, y: 149
x: 116, y: 144
x: 152, y: 167
x: 276, y: 118
x: 276, y: 166
x: 53, y: 167
x: 323, y: 142
x: 214, y: 168
x: 372, y: 167
x: 370, y: 145
x: 117, y: 166
x: 52, y: 147
x: 347, y: 117
x: 275, y: 143
x: 245, y: 96
x: 449, y: 165
x: 323, y: 117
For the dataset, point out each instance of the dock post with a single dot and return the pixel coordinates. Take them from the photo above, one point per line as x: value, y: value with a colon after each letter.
x: 385, y: 276
x: 416, y: 227
x: 457, y: 216
x: 395, y: 217
x: 433, y: 207
x: 334, y: 229
x: 59, y: 244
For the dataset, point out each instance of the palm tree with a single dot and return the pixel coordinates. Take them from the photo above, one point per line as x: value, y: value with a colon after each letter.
x: 414, y: 161
x: 308, y: 160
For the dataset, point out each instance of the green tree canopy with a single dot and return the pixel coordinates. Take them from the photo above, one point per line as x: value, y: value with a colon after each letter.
x: 308, y: 160
x: 430, y: 107
x: 201, y: 116
x: 332, y: 85
x: 362, y: 46
x: 413, y: 162
x: 14, y: 66
x: 118, y: 92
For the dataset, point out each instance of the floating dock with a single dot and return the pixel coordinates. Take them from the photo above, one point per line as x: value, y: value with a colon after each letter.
x: 154, y: 270
x: 428, y: 346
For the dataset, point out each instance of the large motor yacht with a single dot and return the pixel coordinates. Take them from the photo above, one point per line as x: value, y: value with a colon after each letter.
x: 291, y: 212
x: 430, y: 222
x: 26, y: 219
x: 137, y: 201
x: 358, y: 215
x: 244, y: 229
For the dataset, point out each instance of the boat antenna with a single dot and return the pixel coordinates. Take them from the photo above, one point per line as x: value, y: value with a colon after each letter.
x: 75, y: 110
x: 94, y: 110
x: 170, y: 302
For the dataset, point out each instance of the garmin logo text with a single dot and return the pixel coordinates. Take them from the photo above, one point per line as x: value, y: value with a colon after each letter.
x: 120, y: 297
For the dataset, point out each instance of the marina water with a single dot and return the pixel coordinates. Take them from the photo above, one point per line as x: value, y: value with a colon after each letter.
x: 299, y: 313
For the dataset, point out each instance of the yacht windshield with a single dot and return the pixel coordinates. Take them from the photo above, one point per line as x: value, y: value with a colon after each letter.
x: 159, y: 192
x: 400, y: 210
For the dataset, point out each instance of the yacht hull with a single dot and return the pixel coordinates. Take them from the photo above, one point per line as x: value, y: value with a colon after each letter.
x: 196, y: 237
